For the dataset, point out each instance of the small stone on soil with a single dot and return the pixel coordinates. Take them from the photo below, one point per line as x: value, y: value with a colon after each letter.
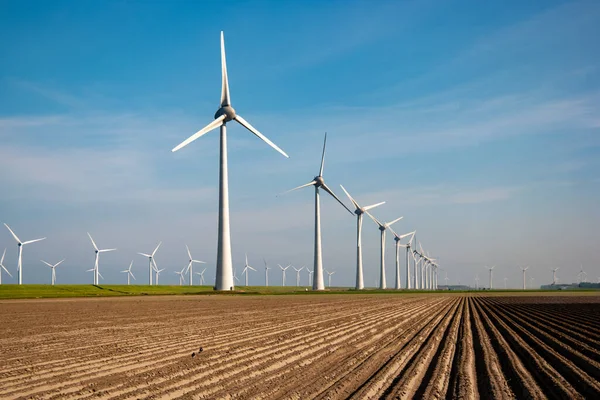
x: 193, y: 355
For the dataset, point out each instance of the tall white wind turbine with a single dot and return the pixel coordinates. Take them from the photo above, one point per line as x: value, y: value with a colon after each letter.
x: 319, y: 182
x: 359, y: 211
x: 298, y: 275
x: 476, y: 281
x: 524, y: 280
x: 2, y: 267
x: 129, y: 273
x: 247, y: 267
x: 151, y: 262
x: 97, y: 259
x: 329, y: 277
x: 266, y: 273
x: 20, y: 244
x: 382, y: 227
x: 398, y: 238
x: 408, y: 253
x: 283, y: 273
x: 53, y: 267
x: 225, y: 113
x: 310, y: 273
x: 554, y: 275
x: 491, y: 269
x: 191, y: 263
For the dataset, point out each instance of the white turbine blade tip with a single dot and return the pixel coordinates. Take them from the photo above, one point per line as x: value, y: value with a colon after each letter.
x: 12, y: 233
x: 247, y: 125
x: 213, y: 125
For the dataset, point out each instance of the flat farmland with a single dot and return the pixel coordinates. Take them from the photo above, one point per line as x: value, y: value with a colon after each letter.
x: 302, y: 347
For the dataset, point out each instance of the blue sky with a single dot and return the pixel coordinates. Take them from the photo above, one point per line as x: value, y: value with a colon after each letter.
x: 476, y: 122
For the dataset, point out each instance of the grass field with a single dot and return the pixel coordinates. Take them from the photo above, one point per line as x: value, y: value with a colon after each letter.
x: 60, y: 291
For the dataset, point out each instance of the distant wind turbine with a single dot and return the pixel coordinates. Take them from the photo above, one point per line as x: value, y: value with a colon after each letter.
x: 201, y: 276
x: 477, y: 281
x: 157, y: 272
x: 329, y: 277
x: 53, y: 269
x: 181, y: 276
x: 20, y: 245
x: 190, y: 266
x: 283, y: 273
x: 129, y: 273
x: 319, y: 182
x: 225, y: 113
x: 524, y: 280
x: 383, y: 226
x: 266, y: 273
x: 554, y: 275
x: 97, y: 259
x: 505, y: 279
x: 2, y: 267
x: 491, y: 269
x: 408, y: 253
x: 247, y: 267
x: 298, y: 275
x: 398, y: 238
x: 150, y: 262
x: 359, y: 211
x: 309, y: 272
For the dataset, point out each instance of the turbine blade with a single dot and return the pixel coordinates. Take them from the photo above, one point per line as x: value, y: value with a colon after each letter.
x: 48, y: 264
x: 100, y: 275
x: 188, y: 251
x: 247, y: 125
x: 4, y: 253
x: 311, y: 183
x: 33, y: 241
x: 350, y: 197
x: 12, y: 233
x: 393, y: 222
x: 93, y: 243
x: 374, y: 219
x: 373, y: 206
x: 326, y: 188
x: 251, y: 268
x: 144, y: 254
x: 106, y: 250
x: 213, y: 125
x: 156, y: 249
x: 323, y: 156
x: 58, y: 263
x: 133, y: 276
x: 199, y: 262
x: 225, y: 99
x: 4, y: 268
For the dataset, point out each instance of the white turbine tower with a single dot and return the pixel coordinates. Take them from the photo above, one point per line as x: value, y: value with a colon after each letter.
x: 129, y: 273
x: 225, y: 113
x: 491, y: 269
x: 310, y: 273
x: 298, y: 275
x: 20, y: 245
x: 554, y: 275
x: 505, y: 279
x: 319, y: 182
x: 246, y: 268
x: 2, y: 267
x: 151, y: 262
x: 201, y: 276
x: 157, y: 272
x: 283, y: 274
x: 97, y: 259
x: 181, y: 276
x: 329, y: 277
x: 266, y: 273
x: 383, y: 227
x: 191, y: 262
x: 359, y: 211
x: 524, y: 280
x: 408, y: 253
x: 582, y: 275
x: 53, y: 269
x: 476, y: 281
x: 398, y: 238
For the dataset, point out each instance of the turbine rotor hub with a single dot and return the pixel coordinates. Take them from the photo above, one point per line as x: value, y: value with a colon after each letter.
x: 228, y: 111
x: 319, y: 181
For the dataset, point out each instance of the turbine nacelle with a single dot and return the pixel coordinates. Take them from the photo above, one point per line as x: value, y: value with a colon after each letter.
x: 319, y: 181
x: 228, y: 111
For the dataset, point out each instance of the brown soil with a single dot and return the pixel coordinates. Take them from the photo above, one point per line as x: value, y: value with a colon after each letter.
x: 302, y: 347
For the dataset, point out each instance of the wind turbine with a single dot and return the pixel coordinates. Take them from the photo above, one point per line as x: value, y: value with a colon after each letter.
x: 181, y: 276
x: 225, y: 113
x: 190, y: 265
x: 329, y: 277
x: 157, y: 272
x: 554, y: 275
x: 201, y: 276
x: 246, y: 268
x: 398, y: 238
x: 53, y: 269
x: 266, y: 273
x: 283, y: 274
x: 319, y: 182
x: 491, y: 269
x: 2, y: 267
x: 476, y: 281
x: 505, y: 279
x: 129, y: 273
x: 382, y: 228
x: 524, y: 280
x: 581, y: 275
x: 96, y: 260
x: 20, y: 245
x: 298, y: 275
x: 408, y: 252
x: 150, y: 262
x: 309, y: 275
x: 359, y: 211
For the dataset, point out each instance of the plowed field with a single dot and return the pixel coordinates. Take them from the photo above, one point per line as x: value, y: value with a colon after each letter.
x: 302, y: 347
